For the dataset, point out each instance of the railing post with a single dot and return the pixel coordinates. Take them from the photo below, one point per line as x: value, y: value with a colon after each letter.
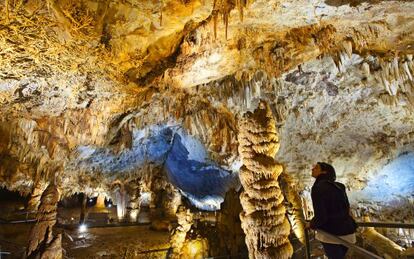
x: 307, y: 244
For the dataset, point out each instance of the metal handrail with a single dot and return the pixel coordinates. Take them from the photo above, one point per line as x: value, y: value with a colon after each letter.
x: 386, y: 225
x: 350, y: 245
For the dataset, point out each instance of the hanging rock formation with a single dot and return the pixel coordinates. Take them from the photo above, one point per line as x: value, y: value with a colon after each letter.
x: 263, y: 217
x: 42, y: 242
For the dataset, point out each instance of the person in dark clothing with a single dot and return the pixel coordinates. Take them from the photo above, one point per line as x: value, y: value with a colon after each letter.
x: 332, y: 211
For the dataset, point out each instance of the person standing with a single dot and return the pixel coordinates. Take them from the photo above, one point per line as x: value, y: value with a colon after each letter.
x: 331, y: 211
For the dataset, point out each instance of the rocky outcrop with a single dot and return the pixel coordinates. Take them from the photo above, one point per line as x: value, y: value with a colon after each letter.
x: 263, y: 218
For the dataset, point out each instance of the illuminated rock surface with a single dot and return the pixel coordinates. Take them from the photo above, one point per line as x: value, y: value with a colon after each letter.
x: 99, y: 94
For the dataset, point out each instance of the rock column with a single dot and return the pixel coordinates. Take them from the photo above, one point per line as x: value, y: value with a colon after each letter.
x: 135, y: 201
x: 263, y: 218
x: 42, y: 243
x: 35, y: 196
x: 121, y: 202
x: 185, y: 221
x: 294, y: 208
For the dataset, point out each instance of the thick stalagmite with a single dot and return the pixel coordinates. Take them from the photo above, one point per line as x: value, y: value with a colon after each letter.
x: 134, y: 191
x: 383, y: 245
x: 42, y: 242
x: 294, y: 208
x: 100, y: 201
x: 185, y: 221
x: 263, y: 218
x: 35, y: 196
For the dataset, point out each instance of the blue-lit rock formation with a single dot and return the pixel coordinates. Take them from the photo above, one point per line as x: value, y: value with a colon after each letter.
x: 394, y: 181
x: 205, y: 184
x: 183, y: 157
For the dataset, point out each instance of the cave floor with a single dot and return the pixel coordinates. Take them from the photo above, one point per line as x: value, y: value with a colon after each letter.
x: 108, y: 242
x: 116, y: 242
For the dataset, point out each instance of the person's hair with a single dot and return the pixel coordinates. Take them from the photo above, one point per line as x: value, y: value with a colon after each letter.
x: 328, y: 169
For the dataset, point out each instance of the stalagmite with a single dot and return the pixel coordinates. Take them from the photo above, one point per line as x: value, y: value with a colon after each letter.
x: 42, y: 242
x: 121, y: 201
x: 185, y: 221
x: 295, y: 211
x: 229, y: 228
x: 135, y: 201
x: 100, y: 201
x: 171, y: 201
x: 263, y: 218
x: 84, y: 208
x: 383, y: 245
x: 35, y: 196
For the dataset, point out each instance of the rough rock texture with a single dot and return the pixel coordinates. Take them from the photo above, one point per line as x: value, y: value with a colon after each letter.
x: 42, y: 242
x: 83, y: 84
x: 230, y: 234
x: 294, y: 206
x: 35, y: 196
x: 178, y: 237
x: 263, y: 218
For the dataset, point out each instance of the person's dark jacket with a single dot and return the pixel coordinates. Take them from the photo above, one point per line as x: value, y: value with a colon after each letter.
x: 331, y: 207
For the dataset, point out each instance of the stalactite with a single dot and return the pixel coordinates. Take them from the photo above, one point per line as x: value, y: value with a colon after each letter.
x: 263, y: 217
x: 42, y: 242
x: 161, y: 3
x: 295, y: 211
x: 185, y: 221
x: 223, y: 8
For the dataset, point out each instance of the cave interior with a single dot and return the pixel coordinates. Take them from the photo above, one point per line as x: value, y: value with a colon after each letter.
x: 189, y: 128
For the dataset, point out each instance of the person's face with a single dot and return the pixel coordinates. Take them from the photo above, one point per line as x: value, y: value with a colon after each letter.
x: 316, y: 171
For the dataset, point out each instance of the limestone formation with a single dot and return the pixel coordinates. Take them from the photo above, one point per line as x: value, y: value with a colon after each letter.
x: 178, y: 236
x: 42, y: 242
x: 134, y: 191
x: 97, y: 90
x: 230, y: 233
x: 100, y: 201
x: 383, y: 245
x: 295, y: 207
x: 263, y: 218
x: 35, y: 196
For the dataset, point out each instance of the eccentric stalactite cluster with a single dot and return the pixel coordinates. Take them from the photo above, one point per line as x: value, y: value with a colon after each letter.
x: 263, y: 218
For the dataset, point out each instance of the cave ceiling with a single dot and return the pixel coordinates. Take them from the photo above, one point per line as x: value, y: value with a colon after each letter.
x: 85, y: 84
